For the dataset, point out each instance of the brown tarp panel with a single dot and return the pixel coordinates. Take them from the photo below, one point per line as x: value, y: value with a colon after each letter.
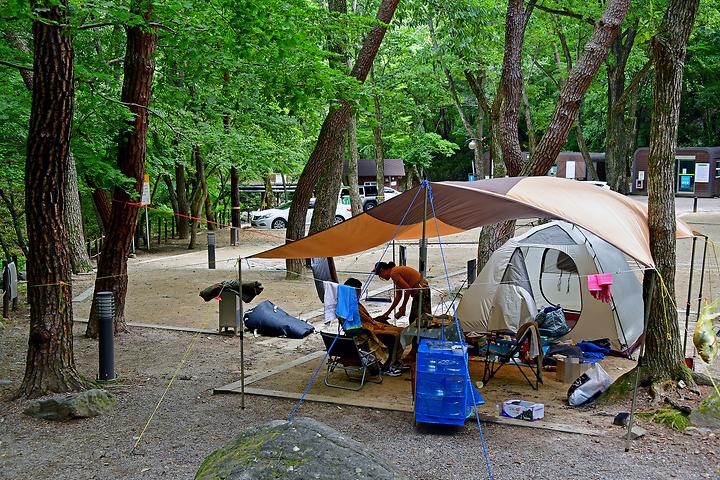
x: 461, y: 206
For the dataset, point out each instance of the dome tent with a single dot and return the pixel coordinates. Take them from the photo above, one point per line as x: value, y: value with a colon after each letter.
x: 547, y: 265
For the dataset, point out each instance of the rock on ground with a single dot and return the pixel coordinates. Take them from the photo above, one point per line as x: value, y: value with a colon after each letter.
x: 304, y: 449
x: 707, y: 414
x: 67, y: 406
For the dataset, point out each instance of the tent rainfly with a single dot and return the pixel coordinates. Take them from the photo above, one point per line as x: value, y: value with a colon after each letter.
x: 549, y: 265
x: 461, y: 206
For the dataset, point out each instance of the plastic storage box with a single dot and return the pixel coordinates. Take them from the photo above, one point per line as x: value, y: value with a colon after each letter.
x: 520, y: 409
x: 441, y: 385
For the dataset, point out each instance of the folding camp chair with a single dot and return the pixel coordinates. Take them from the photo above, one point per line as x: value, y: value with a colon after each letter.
x: 500, y: 351
x: 345, y: 354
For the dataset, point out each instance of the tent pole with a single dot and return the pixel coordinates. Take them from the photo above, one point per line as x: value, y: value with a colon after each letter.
x: 648, y: 303
x: 687, y: 304
x: 702, y: 279
x: 239, y: 328
x: 423, y: 269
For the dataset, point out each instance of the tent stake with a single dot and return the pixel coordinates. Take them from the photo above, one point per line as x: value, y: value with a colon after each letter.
x: 648, y: 303
x: 239, y: 328
x: 687, y: 304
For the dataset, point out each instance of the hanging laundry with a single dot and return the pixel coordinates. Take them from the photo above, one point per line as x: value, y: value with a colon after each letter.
x: 330, y: 300
x: 347, y: 308
x: 599, y: 286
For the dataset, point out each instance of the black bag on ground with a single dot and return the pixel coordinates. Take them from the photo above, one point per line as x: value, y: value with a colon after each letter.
x: 551, y: 322
x: 569, y: 351
x: 271, y: 320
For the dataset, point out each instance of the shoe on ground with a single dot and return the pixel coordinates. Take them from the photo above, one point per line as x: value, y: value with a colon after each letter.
x: 401, y: 366
x: 391, y: 372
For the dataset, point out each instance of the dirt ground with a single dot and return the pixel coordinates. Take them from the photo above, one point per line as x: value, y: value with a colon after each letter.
x: 192, y: 422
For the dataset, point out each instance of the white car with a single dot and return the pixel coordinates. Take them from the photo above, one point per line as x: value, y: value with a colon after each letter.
x: 277, y: 218
x: 368, y: 195
x: 598, y: 183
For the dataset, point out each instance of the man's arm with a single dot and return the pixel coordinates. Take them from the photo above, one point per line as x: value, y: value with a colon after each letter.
x: 396, y: 300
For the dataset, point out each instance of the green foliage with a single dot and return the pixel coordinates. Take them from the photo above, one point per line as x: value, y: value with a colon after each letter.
x: 250, y: 82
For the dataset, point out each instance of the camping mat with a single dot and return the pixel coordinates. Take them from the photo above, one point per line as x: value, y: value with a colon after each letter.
x: 394, y: 393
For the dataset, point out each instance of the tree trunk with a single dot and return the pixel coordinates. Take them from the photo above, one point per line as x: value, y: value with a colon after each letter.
x: 209, y: 215
x: 80, y: 261
x: 16, y: 217
x: 331, y: 132
x: 267, y: 200
x: 591, y: 173
x: 355, y: 201
x: 138, y: 69
x: 491, y: 238
x: 19, y: 42
x: 199, y: 195
x: 511, y: 86
x: 478, y: 151
x: 183, y: 222
x: 577, y: 83
x: 379, y: 150
x: 616, y: 135
x: 477, y: 85
x: 327, y: 190
x: 662, y: 342
x: 532, y: 142
x: 171, y: 192
x: 503, y: 120
x: 101, y: 202
x: 50, y: 365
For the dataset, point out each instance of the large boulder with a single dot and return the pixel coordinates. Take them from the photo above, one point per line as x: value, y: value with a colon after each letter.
x: 67, y: 406
x: 707, y: 414
x: 304, y: 449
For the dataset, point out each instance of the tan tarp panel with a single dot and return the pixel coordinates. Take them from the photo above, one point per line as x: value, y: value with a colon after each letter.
x: 462, y: 206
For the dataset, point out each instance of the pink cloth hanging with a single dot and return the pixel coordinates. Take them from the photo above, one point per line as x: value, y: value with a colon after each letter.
x: 599, y: 286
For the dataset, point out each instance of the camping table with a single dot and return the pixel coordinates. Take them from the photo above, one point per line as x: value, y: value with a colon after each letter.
x: 432, y: 331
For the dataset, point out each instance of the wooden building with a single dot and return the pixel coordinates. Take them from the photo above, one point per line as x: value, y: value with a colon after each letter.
x: 697, y: 171
x: 572, y: 165
x: 394, y: 172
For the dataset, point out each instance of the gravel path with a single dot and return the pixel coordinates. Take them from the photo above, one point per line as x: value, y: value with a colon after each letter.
x: 192, y: 423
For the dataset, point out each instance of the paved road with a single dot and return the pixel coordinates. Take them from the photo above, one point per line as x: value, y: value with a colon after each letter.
x: 685, y: 204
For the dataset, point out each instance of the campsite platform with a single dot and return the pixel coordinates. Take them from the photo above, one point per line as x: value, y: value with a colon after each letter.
x: 289, y: 380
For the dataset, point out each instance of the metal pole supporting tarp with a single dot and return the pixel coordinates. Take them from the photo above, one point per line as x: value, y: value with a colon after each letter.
x: 423, y: 268
x: 648, y: 303
x: 240, y: 329
x: 702, y: 280
x: 687, y: 303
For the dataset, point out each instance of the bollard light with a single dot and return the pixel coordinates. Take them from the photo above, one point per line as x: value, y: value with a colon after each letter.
x: 105, y: 308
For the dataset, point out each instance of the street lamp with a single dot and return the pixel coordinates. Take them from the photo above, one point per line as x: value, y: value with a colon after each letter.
x: 472, y: 145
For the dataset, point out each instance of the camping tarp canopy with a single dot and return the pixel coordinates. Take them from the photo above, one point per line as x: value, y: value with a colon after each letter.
x: 461, y: 206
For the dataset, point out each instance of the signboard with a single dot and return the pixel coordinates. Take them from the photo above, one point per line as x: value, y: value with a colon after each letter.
x: 685, y: 183
x: 702, y: 172
x: 146, y: 191
x: 641, y: 175
x: 570, y: 169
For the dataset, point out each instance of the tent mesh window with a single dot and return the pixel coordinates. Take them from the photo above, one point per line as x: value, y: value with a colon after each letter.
x: 550, y: 236
x: 559, y: 280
